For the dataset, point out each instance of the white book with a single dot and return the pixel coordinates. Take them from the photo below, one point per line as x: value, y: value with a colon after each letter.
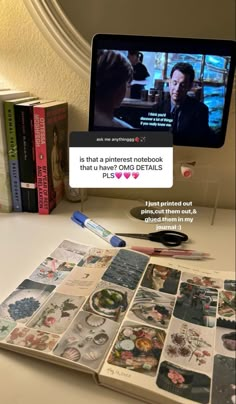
x: 162, y: 334
x: 5, y: 188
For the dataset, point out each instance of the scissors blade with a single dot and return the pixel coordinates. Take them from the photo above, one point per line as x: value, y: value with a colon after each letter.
x: 134, y: 235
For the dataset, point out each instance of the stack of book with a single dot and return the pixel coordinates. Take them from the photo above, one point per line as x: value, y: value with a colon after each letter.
x: 33, y: 152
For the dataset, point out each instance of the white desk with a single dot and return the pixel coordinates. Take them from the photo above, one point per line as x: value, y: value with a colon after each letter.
x: 26, y: 239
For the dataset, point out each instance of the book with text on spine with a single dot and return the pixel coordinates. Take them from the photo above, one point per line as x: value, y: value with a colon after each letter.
x: 160, y: 333
x: 26, y: 154
x: 12, y: 150
x: 5, y: 186
x: 50, y: 134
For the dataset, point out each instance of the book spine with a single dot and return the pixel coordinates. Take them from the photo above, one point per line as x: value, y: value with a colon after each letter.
x: 41, y: 160
x: 13, y: 156
x: 26, y: 152
x: 5, y: 186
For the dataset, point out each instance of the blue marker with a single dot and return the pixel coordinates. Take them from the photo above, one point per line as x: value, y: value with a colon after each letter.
x: 106, y: 235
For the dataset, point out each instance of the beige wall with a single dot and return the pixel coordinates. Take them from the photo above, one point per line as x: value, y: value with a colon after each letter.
x: 28, y: 62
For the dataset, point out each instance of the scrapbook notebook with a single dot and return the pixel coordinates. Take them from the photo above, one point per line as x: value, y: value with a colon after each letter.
x: 159, y: 333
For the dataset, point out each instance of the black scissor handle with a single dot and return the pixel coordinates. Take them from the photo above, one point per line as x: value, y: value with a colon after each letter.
x: 169, y: 238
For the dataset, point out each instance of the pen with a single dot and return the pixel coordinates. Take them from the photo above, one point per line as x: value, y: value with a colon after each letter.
x: 83, y: 220
x: 170, y: 252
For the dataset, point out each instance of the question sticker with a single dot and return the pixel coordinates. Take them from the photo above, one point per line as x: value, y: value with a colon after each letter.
x: 121, y: 160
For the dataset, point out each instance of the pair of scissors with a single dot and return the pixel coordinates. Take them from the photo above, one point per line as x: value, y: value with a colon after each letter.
x: 167, y: 237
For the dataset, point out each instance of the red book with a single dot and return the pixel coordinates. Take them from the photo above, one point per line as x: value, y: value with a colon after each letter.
x: 50, y: 134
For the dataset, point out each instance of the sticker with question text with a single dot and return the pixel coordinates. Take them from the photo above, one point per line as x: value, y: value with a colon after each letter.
x: 121, y: 160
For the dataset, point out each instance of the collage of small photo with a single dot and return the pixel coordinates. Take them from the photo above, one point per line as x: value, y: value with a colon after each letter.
x: 195, y: 335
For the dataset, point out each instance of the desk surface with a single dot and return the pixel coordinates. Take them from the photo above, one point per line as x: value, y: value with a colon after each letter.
x: 26, y: 239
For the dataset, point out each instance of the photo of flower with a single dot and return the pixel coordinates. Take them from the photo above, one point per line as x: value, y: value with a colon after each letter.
x: 184, y: 383
x: 33, y: 339
x: 56, y: 315
x: 190, y: 346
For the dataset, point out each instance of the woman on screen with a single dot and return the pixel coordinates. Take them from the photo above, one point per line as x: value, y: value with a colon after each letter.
x: 114, y: 73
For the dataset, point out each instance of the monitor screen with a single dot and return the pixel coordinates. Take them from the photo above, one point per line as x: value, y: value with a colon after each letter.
x: 177, y: 85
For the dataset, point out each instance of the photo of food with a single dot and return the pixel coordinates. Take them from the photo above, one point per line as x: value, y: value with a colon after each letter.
x: 153, y: 308
x: 109, y: 300
x: 227, y: 303
x: 224, y: 380
x: 87, y: 340
x: 21, y: 304
x: 161, y: 278
x: 190, y: 346
x: 126, y: 269
x: 138, y: 348
x: 226, y: 337
x: 196, y: 304
x: 185, y: 383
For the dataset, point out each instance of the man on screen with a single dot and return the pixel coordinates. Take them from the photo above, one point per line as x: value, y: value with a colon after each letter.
x: 190, y: 116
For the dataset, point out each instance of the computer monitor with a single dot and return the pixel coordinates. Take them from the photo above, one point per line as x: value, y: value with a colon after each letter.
x: 162, y: 84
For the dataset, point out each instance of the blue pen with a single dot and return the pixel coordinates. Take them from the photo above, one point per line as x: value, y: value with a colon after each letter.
x: 106, y: 235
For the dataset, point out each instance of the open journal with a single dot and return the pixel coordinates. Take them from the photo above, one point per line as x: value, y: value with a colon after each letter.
x: 162, y: 334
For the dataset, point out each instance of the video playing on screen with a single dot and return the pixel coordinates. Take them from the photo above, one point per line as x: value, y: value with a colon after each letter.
x: 145, y: 88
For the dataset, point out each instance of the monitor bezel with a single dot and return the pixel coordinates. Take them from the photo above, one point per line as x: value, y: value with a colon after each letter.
x: 165, y: 44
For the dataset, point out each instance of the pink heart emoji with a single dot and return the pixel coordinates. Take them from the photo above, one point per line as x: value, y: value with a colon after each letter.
x: 118, y: 175
x: 135, y: 175
x: 126, y: 175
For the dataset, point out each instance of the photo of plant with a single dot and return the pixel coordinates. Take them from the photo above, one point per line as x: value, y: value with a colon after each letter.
x: 185, y: 383
x: 56, y: 315
x: 227, y: 303
x: 6, y: 327
x: 138, y: 348
x: 189, y: 346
